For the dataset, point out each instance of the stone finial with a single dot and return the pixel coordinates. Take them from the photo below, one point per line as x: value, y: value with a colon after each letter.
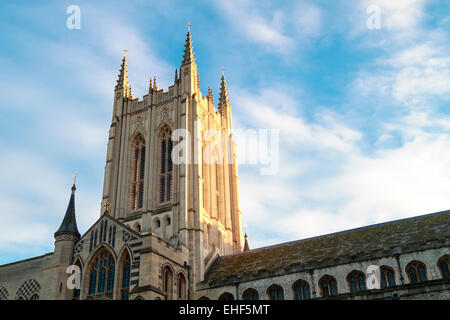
x: 122, y: 81
x: 188, y: 56
x: 223, y: 97
x: 246, y: 246
x: 155, y: 87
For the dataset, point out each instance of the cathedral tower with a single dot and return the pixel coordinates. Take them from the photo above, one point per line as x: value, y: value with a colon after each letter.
x: 194, y: 205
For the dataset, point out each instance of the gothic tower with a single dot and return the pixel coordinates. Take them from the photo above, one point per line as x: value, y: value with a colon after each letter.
x: 193, y: 204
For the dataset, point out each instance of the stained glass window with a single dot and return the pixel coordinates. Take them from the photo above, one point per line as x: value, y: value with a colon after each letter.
x: 101, y: 280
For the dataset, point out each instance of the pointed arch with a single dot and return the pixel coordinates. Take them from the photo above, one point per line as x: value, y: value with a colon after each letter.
x: 77, y: 291
x: 301, y: 290
x: 356, y: 281
x: 275, y: 292
x: 165, y: 164
x: 138, y: 174
x: 444, y: 266
x: 328, y: 286
x: 250, y: 294
x: 123, y: 280
x: 416, y: 271
x: 226, y: 296
x: 181, y: 286
x: 100, y: 273
x: 167, y: 281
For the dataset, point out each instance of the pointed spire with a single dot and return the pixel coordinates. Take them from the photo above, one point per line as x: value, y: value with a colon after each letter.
x: 150, y: 85
x: 223, y: 98
x: 69, y: 223
x: 188, y: 55
x: 122, y: 81
x: 246, y: 246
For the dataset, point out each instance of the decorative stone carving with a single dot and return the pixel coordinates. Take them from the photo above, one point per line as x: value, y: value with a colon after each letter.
x: 126, y: 236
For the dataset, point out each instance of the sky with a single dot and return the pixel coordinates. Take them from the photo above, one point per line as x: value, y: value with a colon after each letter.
x: 363, y: 113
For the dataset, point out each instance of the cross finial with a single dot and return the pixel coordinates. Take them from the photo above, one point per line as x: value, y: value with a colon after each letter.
x: 223, y: 70
x: 188, y: 25
x: 75, y: 178
x: 125, y: 52
x: 107, y: 206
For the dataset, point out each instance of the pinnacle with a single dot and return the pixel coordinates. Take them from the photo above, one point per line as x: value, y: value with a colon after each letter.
x: 188, y: 55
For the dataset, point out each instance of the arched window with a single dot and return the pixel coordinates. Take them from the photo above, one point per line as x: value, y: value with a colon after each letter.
x: 416, y: 271
x: 444, y: 266
x: 168, y: 282
x: 226, y: 296
x: 126, y: 268
x: 34, y: 297
x: 181, y: 287
x: 165, y: 178
x: 301, y: 290
x: 356, y: 281
x: 250, y: 294
x: 328, y: 286
x: 101, y: 279
x: 387, y: 277
x: 76, y: 292
x: 137, y: 190
x: 275, y: 292
x: 203, y: 298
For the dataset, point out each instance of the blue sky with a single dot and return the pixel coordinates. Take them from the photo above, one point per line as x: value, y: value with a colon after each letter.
x: 363, y: 114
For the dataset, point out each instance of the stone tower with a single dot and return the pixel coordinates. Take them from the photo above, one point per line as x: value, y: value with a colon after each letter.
x: 194, y: 204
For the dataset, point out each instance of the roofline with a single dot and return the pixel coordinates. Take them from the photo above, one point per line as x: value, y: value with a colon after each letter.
x: 339, y: 232
x: 26, y: 260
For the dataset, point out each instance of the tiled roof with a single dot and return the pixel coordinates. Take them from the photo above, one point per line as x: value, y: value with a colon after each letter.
x: 385, y: 239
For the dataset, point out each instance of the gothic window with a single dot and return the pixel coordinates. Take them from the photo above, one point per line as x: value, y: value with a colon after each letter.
x: 203, y: 298
x: 301, y: 290
x: 126, y: 268
x: 101, y: 275
x: 137, y: 188
x: 181, y: 287
x: 168, y: 282
x: 275, y: 292
x: 226, y: 296
x: 250, y: 294
x: 34, y: 297
x: 356, y: 281
x: 328, y: 286
x: 387, y: 277
x: 76, y: 292
x: 444, y: 266
x: 416, y: 271
x: 166, y: 166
